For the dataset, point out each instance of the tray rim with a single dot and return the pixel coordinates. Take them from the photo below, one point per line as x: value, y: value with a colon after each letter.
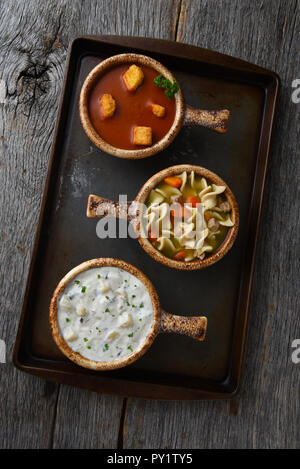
x: 134, y: 388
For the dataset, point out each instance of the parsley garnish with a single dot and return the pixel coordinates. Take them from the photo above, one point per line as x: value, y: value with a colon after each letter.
x: 107, y: 297
x: 130, y: 348
x: 105, y: 347
x: 99, y: 276
x: 130, y: 335
x: 77, y: 282
x: 169, y: 87
x: 141, y: 305
x: 83, y: 289
x: 107, y: 310
x: 67, y: 320
x: 85, y: 339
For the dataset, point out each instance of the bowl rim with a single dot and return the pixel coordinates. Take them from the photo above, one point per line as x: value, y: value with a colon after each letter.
x: 88, y: 127
x: 77, y: 357
x: 220, y: 251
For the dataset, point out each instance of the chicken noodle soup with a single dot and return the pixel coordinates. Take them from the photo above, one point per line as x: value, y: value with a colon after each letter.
x: 105, y: 314
x: 187, y: 217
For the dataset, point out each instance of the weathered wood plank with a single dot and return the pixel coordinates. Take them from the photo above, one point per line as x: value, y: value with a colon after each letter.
x: 34, y: 37
x: 86, y: 420
x: 266, y: 412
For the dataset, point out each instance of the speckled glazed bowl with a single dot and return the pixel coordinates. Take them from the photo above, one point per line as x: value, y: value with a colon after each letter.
x: 216, y: 120
x: 98, y: 207
x: 192, y: 326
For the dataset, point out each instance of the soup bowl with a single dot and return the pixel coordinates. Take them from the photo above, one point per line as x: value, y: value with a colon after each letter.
x: 99, y: 207
x: 192, y: 326
x: 216, y: 120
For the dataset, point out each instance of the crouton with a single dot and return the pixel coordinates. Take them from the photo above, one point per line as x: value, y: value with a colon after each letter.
x: 133, y: 77
x: 142, y: 136
x: 108, y: 105
x: 158, y: 111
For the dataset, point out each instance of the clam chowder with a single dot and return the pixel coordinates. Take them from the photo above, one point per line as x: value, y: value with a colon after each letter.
x: 105, y: 313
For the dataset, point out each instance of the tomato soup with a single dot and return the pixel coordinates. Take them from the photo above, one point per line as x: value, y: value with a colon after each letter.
x: 133, y: 108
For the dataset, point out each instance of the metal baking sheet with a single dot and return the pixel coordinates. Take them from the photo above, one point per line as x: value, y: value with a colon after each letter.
x: 175, y: 367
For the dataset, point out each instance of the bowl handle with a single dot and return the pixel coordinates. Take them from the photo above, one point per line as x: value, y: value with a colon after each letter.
x: 192, y: 326
x: 214, y: 120
x: 99, y: 207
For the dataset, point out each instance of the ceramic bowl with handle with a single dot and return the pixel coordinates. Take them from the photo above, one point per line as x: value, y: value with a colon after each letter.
x: 99, y: 207
x: 192, y: 326
x: 216, y: 120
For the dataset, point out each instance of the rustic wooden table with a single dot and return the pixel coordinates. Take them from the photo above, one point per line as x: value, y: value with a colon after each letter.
x: 34, y: 37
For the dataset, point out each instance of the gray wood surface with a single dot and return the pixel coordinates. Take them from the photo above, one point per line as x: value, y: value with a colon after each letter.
x: 34, y: 37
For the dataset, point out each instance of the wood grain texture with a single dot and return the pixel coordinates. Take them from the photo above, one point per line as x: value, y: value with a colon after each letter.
x: 266, y: 412
x: 86, y: 420
x: 34, y: 37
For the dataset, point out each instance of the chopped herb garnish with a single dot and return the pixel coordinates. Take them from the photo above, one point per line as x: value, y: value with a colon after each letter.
x: 132, y: 296
x: 141, y: 305
x: 107, y: 297
x: 105, y: 347
x: 77, y: 282
x: 67, y: 320
x: 135, y: 286
x: 83, y: 289
x: 85, y: 339
x: 140, y: 319
x: 99, y: 276
x: 128, y: 304
x: 133, y: 306
x: 169, y: 88
x: 88, y: 346
x: 126, y: 281
x: 130, y: 348
x: 107, y: 310
x: 130, y: 335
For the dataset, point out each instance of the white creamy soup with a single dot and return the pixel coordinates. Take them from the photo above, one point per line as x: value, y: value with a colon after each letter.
x: 105, y: 314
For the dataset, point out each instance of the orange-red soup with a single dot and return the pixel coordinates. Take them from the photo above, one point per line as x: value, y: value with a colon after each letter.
x: 133, y: 108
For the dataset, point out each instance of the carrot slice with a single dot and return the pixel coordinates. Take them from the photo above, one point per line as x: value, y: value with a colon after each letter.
x: 152, y: 235
x: 180, y: 255
x: 177, y: 212
x: 193, y: 200
x: 173, y: 181
x: 206, y: 216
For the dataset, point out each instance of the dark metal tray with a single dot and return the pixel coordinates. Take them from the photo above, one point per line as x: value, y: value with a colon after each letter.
x: 175, y: 367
